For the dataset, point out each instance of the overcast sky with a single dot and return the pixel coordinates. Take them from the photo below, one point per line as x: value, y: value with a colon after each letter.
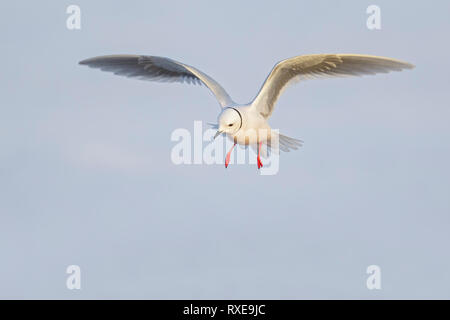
x: 86, y: 177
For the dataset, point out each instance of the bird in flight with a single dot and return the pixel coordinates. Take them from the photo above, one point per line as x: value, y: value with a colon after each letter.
x: 247, y: 124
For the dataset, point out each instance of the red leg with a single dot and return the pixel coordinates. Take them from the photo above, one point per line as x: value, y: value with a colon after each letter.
x: 259, y: 159
x: 227, y: 159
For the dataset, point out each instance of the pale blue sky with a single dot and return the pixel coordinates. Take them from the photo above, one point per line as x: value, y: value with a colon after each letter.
x: 86, y: 176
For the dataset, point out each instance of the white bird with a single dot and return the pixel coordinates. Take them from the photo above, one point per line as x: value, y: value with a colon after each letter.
x: 247, y: 124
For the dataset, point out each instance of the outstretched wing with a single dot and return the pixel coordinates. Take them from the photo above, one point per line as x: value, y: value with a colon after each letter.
x: 319, y: 66
x: 157, y: 69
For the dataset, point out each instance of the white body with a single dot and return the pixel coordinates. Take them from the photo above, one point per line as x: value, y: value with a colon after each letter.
x: 255, y: 128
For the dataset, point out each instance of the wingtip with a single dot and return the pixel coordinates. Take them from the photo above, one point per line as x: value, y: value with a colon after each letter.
x: 89, y: 60
x: 406, y: 65
x: 84, y: 62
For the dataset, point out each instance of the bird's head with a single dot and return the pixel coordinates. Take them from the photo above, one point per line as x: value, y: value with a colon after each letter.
x: 229, y: 121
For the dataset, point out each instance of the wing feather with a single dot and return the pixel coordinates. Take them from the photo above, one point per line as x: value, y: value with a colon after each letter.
x: 319, y: 66
x: 158, y: 69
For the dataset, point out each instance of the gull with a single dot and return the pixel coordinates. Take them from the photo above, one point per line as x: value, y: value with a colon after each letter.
x: 247, y: 124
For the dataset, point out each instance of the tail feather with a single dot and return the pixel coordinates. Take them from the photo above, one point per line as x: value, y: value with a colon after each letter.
x: 285, y: 143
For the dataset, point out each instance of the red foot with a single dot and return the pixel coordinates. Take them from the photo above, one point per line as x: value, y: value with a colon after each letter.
x: 260, y: 165
x: 227, y: 158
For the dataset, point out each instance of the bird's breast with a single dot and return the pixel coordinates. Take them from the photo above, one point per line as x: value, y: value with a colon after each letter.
x: 251, y: 136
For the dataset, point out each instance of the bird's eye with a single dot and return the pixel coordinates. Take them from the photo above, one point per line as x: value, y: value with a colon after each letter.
x: 230, y: 124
